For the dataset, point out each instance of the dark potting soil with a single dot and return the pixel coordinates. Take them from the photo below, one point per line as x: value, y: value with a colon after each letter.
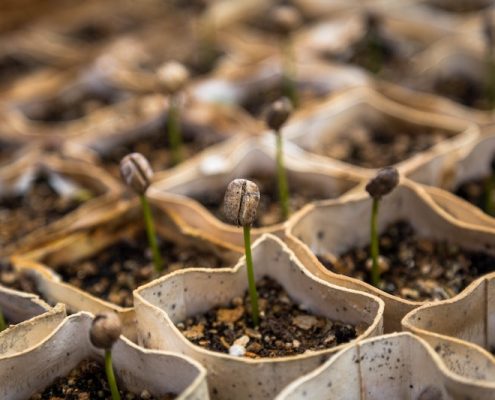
x: 12, y: 68
x: 116, y: 271
x: 460, y: 6
x: 156, y: 149
x: 88, y: 381
x: 473, y: 191
x: 269, y: 212
x: 377, y: 147
x: 285, y: 328
x: 38, y: 207
x: 17, y: 280
x: 416, y: 268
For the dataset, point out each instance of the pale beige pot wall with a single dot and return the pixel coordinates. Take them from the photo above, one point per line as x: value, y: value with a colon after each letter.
x: 396, y: 366
x: 332, y: 118
x: 169, y: 300
x: 467, y: 317
x: 335, y: 226
x: 240, y: 158
x: 23, y: 374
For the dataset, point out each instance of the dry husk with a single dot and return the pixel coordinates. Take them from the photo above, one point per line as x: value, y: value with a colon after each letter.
x: 395, y: 366
x: 168, y: 300
x: 23, y: 374
x: 310, y: 233
x: 238, y: 159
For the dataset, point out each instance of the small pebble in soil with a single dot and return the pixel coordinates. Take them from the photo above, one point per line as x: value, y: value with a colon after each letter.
x: 14, y: 279
x: 113, y: 273
x: 88, y: 381
x: 418, y: 268
x: 285, y: 328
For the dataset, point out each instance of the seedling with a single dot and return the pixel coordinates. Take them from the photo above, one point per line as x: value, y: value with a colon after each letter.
x: 105, y: 331
x: 489, y: 34
x: 374, y: 50
x: 136, y: 172
x: 240, y: 204
x: 489, y: 188
x: 287, y: 19
x: 3, y: 324
x: 172, y: 78
x: 277, y: 115
x: 382, y: 184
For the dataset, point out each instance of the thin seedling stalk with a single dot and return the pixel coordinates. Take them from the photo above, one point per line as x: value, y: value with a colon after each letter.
x: 490, y: 66
x: 3, y: 324
x: 488, y: 194
x: 151, y: 233
x: 253, y: 293
x: 283, y: 185
x: 289, y: 73
x: 374, y: 246
x: 111, y: 376
x: 174, y: 130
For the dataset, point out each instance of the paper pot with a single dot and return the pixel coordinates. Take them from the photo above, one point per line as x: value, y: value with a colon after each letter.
x: 363, y: 107
x: 28, y: 372
x: 396, y: 366
x: 169, y: 300
x: 182, y: 189
x: 335, y: 226
x: 121, y: 222
x: 35, y: 321
x: 68, y: 179
x: 467, y: 318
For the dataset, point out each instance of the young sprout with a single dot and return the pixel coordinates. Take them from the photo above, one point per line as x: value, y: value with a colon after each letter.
x: 287, y: 19
x: 489, y: 34
x: 277, y: 115
x: 382, y: 184
x: 137, y: 174
x: 172, y: 78
x: 374, y: 50
x: 105, y: 331
x: 489, y: 187
x: 240, y: 205
x: 3, y: 324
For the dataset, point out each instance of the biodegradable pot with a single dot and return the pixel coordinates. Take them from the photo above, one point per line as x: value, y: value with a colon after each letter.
x: 124, y: 220
x: 467, y: 318
x: 65, y: 177
x: 331, y: 120
x: 241, y: 158
x: 395, y: 366
x: 335, y: 226
x: 171, y: 299
x: 25, y: 373
x: 35, y: 321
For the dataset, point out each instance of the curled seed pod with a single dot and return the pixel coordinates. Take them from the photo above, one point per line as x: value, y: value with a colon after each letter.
x: 136, y: 172
x: 105, y: 330
x: 286, y: 19
x: 241, y: 202
x: 172, y: 77
x: 278, y: 113
x: 383, y: 183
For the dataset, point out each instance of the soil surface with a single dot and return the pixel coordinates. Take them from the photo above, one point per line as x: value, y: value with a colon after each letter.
x: 155, y: 147
x: 115, y: 272
x: 38, y: 207
x: 269, y: 208
x: 285, y: 328
x: 473, y: 191
x: 460, y: 7
x: 377, y: 147
x: 462, y: 89
x: 88, y: 381
x: 13, y: 279
x: 416, y: 268
x: 12, y: 68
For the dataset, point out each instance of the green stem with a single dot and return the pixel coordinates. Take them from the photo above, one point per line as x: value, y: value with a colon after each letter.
x: 253, y: 293
x: 174, y: 131
x: 283, y: 185
x: 375, y: 53
x: 110, y: 375
x: 150, y: 231
x: 374, y: 248
x: 3, y: 324
x: 489, y: 186
x: 289, y: 74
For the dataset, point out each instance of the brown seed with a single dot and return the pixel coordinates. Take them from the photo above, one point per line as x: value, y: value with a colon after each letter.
x: 383, y: 183
x: 172, y: 77
x: 136, y: 172
x: 105, y: 330
x: 278, y: 113
x: 241, y: 202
